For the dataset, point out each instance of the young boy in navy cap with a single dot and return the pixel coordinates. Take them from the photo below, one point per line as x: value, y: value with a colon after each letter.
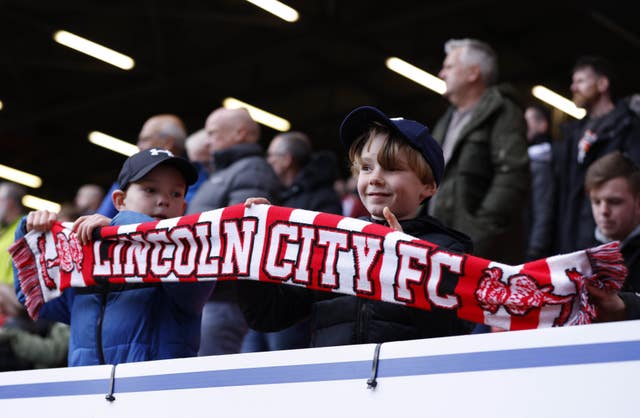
x: 113, y: 324
x: 398, y: 166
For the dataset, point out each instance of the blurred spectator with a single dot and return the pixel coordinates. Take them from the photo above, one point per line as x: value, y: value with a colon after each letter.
x: 68, y: 212
x: 198, y: 148
x: 11, y: 210
x: 161, y: 131
x: 539, y: 214
x: 606, y: 128
x: 198, y: 153
x: 24, y: 344
x: 634, y: 103
x: 351, y: 204
x: 483, y: 139
x: 239, y: 171
x: 613, y: 186
x: 88, y: 199
x: 308, y: 179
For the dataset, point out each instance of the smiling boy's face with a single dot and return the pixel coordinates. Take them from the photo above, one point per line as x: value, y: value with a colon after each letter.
x: 397, y: 187
x: 159, y: 194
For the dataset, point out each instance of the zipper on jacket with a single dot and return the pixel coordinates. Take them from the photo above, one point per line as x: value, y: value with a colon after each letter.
x: 103, y: 305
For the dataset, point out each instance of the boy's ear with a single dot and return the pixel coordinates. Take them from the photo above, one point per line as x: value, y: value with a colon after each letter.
x: 428, y: 190
x: 117, y: 197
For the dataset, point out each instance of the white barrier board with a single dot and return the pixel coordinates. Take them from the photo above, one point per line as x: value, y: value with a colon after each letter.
x: 585, y: 371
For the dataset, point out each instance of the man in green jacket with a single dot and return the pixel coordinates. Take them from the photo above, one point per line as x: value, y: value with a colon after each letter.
x: 483, y: 137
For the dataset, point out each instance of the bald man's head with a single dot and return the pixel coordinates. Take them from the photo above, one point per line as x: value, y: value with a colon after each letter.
x: 196, y: 145
x: 228, y: 127
x: 88, y: 198
x: 163, y: 131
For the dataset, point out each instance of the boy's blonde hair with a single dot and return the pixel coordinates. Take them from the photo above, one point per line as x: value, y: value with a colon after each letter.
x: 393, y: 147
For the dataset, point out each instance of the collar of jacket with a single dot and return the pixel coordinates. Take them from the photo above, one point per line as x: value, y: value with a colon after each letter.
x: 616, y: 121
x: 224, y: 158
x: 633, y: 236
x: 490, y: 102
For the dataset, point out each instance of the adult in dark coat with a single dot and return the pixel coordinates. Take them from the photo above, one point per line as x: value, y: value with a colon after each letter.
x: 539, y: 215
x: 239, y: 171
x: 308, y: 177
x: 308, y: 184
x: 482, y: 134
x: 607, y: 127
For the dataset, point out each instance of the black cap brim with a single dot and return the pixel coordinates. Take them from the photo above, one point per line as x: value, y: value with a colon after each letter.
x: 359, y: 121
x: 187, y: 170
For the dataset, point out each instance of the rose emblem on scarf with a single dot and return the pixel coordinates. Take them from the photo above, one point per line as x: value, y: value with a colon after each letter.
x: 518, y: 296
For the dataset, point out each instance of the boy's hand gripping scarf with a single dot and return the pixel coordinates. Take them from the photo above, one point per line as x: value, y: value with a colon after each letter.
x: 322, y: 252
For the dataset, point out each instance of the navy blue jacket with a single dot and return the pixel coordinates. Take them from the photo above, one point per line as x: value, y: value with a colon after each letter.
x: 128, y: 323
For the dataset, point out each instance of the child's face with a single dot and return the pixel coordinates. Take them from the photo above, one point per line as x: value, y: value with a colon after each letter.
x: 398, y: 188
x: 159, y: 194
x: 615, y: 209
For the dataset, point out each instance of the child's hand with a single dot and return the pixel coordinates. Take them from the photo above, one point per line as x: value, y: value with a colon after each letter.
x: 391, y: 219
x: 41, y: 220
x: 84, y: 226
x: 256, y: 201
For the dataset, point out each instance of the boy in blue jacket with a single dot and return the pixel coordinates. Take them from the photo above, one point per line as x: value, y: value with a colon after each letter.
x: 113, y: 324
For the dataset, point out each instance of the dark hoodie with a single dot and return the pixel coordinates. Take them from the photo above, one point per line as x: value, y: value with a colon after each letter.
x: 341, y: 319
x: 312, y: 189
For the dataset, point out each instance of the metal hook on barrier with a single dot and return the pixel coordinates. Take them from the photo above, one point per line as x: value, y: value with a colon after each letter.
x: 373, y: 382
x: 109, y: 396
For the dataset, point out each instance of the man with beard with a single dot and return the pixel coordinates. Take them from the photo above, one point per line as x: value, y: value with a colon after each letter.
x: 607, y: 127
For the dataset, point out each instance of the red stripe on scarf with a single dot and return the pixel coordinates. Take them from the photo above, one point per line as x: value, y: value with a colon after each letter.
x: 540, y: 270
x: 467, y: 284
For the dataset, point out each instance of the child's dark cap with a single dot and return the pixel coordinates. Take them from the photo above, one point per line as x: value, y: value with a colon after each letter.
x: 416, y: 134
x: 140, y: 164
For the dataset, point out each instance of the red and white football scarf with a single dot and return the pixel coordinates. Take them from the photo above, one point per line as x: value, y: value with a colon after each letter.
x: 322, y: 252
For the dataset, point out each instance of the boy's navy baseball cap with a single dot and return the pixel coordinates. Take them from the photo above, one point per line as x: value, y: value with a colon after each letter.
x: 416, y: 134
x: 140, y: 164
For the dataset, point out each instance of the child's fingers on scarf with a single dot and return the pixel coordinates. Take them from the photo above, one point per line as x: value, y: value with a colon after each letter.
x: 256, y: 201
x: 82, y: 227
x: 41, y: 220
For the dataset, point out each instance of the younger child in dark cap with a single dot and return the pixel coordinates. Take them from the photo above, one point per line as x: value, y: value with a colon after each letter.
x: 398, y: 166
x: 113, y: 324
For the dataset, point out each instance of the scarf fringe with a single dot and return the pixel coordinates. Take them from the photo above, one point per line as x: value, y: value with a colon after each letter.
x: 608, y: 272
x: 25, y: 262
x: 607, y: 264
